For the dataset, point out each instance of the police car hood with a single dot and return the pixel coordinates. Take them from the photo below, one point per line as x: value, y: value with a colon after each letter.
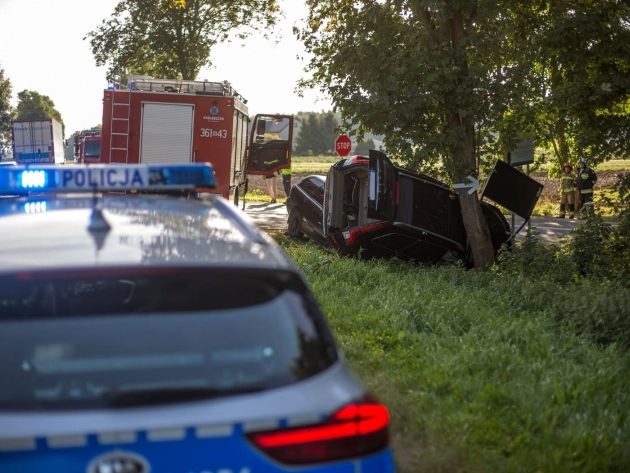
x: 55, y: 233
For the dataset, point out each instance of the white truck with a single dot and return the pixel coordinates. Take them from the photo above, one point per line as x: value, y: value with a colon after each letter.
x: 38, y: 142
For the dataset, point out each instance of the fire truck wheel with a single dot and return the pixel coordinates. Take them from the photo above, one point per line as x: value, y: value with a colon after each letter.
x: 293, y: 223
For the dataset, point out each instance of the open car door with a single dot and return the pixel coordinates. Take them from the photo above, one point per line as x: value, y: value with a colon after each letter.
x: 269, y: 148
x: 382, y: 179
x: 333, y: 218
x: 512, y: 189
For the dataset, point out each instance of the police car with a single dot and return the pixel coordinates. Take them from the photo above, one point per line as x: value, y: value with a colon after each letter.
x: 153, y: 333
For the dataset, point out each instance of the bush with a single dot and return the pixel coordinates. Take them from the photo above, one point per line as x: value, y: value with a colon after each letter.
x: 603, y: 249
x: 582, y: 282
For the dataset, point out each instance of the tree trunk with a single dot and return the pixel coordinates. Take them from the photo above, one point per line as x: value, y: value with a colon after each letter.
x: 561, y: 145
x: 460, y: 131
x: 477, y: 232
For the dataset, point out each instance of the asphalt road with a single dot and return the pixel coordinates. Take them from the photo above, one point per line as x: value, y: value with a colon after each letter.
x: 272, y: 218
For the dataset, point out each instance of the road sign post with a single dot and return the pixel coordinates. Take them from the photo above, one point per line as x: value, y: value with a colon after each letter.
x: 343, y: 145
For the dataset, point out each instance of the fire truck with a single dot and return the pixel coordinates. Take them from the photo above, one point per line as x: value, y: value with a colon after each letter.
x: 180, y: 121
x: 87, y: 146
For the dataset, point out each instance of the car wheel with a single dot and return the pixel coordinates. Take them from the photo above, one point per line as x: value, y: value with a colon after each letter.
x: 294, y: 226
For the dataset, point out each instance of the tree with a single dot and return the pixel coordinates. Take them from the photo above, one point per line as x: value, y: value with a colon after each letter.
x: 34, y: 106
x: 457, y: 81
x: 6, y: 112
x: 583, y: 51
x: 329, y: 129
x: 414, y: 72
x: 317, y: 133
x: 364, y: 147
x: 173, y: 38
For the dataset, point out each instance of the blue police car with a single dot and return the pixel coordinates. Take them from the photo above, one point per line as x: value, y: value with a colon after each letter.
x: 161, y: 333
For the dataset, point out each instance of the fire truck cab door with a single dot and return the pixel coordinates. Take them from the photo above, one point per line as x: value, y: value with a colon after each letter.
x: 270, y: 144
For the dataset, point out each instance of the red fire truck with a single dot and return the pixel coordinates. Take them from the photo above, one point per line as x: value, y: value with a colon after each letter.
x: 89, y: 148
x: 178, y: 121
x: 85, y: 146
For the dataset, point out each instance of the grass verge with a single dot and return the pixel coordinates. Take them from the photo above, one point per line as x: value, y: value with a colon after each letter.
x: 482, y: 371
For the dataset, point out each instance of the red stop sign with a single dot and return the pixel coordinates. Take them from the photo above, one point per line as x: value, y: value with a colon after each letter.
x: 343, y: 145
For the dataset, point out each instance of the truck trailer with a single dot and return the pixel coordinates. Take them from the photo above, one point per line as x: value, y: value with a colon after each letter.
x: 37, y: 141
x: 179, y: 121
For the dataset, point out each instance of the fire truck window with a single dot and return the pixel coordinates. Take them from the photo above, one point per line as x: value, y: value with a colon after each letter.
x: 273, y: 130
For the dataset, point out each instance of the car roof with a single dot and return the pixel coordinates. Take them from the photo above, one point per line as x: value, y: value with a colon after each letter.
x: 51, y: 232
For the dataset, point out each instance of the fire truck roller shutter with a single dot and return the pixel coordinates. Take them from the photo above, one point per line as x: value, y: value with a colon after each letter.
x: 166, y: 133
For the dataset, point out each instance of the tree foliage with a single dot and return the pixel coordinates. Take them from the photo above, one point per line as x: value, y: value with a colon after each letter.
x: 6, y: 111
x: 317, y: 133
x: 34, y: 106
x: 419, y: 72
x: 173, y: 38
x: 582, y: 62
x: 364, y: 147
x: 456, y: 82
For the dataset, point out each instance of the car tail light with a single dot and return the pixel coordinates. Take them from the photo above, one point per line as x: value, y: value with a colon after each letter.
x: 353, y: 233
x: 359, y: 160
x: 354, y: 430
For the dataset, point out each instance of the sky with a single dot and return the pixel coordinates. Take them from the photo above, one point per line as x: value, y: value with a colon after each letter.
x: 41, y: 49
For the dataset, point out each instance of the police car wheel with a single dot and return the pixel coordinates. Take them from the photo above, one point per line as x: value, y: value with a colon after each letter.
x: 293, y: 223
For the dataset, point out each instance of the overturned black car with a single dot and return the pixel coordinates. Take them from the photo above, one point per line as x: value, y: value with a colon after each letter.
x: 369, y: 204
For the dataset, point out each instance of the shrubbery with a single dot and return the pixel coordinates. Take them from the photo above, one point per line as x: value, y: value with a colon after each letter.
x: 585, y: 280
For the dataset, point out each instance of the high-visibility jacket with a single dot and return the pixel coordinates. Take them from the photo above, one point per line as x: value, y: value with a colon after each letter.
x: 585, y: 180
x: 567, y: 183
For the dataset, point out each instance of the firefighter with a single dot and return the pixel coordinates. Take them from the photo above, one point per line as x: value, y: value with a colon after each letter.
x: 585, y: 179
x: 270, y: 182
x: 567, y: 191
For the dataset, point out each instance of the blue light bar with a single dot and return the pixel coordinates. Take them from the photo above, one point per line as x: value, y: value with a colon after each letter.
x: 102, y: 177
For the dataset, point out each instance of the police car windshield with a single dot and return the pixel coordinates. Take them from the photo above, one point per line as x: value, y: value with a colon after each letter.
x: 88, y: 340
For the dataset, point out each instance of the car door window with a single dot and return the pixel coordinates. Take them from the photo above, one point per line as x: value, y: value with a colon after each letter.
x: 314, y: 189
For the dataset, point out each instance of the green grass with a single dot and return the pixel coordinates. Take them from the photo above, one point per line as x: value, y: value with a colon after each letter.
x: 479, y: 374
x: 312, y: 164
x: 255, y: 195
x: 315, y: 159
x: 614, y: 165
x: 310, y: 168
x: 610, y: 165
x: 550, y: 207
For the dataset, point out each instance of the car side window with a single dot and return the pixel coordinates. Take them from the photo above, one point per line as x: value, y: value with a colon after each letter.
x: 314, y: 188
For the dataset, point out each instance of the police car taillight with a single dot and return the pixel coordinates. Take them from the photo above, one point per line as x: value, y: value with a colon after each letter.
x: 355, y: 430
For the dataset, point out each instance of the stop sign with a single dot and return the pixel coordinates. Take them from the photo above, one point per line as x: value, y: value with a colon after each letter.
x: 343, y: 145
